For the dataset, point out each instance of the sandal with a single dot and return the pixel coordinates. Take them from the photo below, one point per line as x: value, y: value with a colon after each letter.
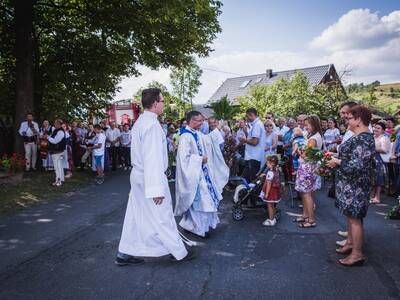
x: 308, y: 224
x: 300, y: 219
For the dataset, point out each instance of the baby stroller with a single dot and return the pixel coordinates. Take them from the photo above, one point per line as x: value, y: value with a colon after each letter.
x: 247, y: 194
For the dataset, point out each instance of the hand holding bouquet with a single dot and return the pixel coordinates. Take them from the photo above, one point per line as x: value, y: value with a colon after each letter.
x: 324, y: 169
x: 319, y: 157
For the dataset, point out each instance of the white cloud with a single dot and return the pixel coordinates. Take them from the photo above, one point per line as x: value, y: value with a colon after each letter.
x: 360, y: 39
x: 359, y: 29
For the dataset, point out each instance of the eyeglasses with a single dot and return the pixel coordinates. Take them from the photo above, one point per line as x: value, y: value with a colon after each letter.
x: 268, y: 126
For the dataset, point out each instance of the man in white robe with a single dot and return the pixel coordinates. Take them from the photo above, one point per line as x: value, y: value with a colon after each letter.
x: 149, y: 228
x: 213, y: 143
x: 215, y: 133
x: 198, y: 184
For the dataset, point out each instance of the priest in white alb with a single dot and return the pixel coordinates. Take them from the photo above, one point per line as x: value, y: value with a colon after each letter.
x: 149, y: 228
x: 199, y: 181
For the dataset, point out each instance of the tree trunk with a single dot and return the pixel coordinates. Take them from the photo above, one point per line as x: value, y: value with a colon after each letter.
x: 24, y: 56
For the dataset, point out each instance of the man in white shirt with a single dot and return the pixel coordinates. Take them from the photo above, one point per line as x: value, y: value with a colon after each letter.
x: 98, y: 152
x: 113, y: 135
x: 255, y: 143
x: 126, y: 146
x: 282, y: 129
x: 29, y: 130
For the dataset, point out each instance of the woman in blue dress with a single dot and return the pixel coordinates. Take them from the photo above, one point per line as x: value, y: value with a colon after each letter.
x: 355, y: 169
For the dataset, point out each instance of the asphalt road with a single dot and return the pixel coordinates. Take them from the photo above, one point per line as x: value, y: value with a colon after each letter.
x: 65, y: 249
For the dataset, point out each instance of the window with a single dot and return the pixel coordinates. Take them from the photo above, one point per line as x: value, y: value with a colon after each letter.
x: 258, y: 80
x: 244, y: 84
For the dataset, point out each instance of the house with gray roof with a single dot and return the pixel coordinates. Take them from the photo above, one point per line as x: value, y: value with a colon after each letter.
x: 239, y: 86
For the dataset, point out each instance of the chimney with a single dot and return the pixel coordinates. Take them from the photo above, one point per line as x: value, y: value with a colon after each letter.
x: 269, y: 73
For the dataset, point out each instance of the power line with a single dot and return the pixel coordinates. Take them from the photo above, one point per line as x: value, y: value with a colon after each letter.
x: 208, y: 69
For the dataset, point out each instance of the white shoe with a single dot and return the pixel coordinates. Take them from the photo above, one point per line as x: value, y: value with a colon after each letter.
x: 57, y: 183
x: 342, y: 233
x: 341, y: 243
x: 125, y: 168
x: 269, y: 222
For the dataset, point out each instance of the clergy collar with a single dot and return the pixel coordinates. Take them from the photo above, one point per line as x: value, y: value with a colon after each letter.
x: 150, y: 114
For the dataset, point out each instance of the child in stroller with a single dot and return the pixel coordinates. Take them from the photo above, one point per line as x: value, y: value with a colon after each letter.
x: 248, y: 194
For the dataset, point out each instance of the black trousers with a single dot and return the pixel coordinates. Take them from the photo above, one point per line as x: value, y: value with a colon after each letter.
x: 126, y: 154
x: 251, y: 169
x: 113, y: 156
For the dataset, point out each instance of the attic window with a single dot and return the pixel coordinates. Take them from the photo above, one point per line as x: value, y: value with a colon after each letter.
x: 244, y: 84
x: 258, y: 80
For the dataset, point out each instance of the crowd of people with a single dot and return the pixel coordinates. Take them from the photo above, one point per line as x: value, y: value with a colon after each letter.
x: 364, y: 160
x: 64, y: 147
x: 199, y: 154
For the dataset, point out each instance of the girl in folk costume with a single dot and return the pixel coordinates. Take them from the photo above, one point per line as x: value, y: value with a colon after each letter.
x: 271, y: 192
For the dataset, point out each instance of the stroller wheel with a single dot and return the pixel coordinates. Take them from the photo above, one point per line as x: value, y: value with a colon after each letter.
x: 237, y: 213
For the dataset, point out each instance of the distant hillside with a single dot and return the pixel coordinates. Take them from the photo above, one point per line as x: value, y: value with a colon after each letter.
x: 385, y: 97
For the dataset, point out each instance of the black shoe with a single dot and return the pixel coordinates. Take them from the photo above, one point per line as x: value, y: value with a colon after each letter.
x: 128, y: 261
x: 191, y: 255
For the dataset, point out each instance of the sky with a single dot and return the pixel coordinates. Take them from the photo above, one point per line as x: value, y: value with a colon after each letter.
x: 360, y: 36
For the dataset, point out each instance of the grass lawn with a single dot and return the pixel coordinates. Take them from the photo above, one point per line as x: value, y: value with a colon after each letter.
x: 36, y: 187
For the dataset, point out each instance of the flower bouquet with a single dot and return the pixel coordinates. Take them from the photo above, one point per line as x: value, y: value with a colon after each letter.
x: 312, y: 154
x: 320, y: 158
x: 323, y: 169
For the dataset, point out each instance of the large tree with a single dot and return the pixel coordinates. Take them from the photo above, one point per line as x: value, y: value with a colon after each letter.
x: 66, y: 57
